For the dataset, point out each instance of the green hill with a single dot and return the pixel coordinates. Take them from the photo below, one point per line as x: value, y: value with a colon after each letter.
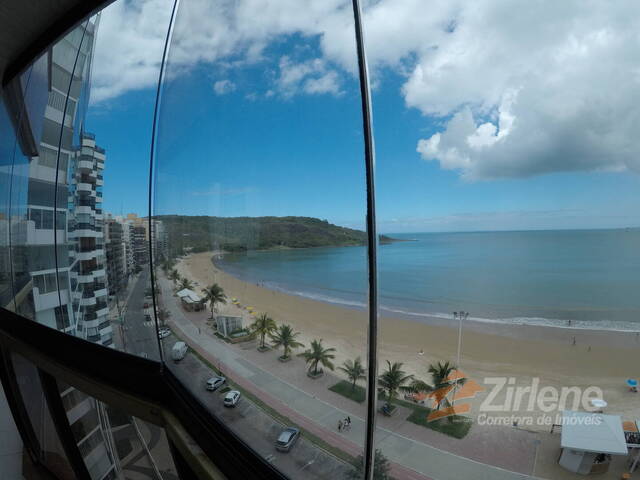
x: 202, y: 233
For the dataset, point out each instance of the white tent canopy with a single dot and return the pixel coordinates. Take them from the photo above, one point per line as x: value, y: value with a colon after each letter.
x: 189, y: 296
x: 593, y: 432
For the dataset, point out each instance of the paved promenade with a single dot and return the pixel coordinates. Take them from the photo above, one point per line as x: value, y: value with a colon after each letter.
x: 411, y: 459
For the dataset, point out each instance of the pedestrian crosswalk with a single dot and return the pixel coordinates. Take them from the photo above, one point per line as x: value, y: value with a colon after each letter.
x: 148, y: 323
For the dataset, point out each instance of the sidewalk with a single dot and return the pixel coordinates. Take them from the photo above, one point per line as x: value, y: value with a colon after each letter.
x: 411, y: 459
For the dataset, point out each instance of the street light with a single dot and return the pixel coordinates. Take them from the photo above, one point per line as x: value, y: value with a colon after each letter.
x: 460, y: 316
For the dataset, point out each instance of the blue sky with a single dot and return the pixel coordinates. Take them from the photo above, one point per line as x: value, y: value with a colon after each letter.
x: 280, y: 134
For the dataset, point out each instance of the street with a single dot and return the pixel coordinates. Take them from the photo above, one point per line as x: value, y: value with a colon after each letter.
x: 256, y: 427
x: 250, y: 422
x: 139, y: 334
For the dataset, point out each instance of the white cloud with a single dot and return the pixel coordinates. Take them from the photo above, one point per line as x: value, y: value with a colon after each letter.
x: 544, y: 87
x: 532, y: 90
x: 131, y: 37
x: 128, y: 47
x: 222, y: 87
x: 311, y: 77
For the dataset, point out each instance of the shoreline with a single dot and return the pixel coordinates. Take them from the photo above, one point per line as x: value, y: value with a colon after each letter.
x: 523, y: 352
x: 624, y: 338
x: 515, y: 321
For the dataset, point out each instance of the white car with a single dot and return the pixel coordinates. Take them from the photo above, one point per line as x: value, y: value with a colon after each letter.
x: 215, y: 382
x: 163, y: 333
x: 232, y: 398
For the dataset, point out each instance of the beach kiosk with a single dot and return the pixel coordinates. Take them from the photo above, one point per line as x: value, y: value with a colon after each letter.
x: 228, y: 324
x: 191, y: 301
x: 589, y: 440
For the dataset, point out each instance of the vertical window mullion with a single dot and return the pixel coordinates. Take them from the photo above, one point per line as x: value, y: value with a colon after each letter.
x: 372, y: 244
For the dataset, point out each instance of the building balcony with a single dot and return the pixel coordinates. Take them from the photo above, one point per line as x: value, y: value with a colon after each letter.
x: 88, y: 301
x: 85, y: 164
x: 104, y: 325
x: 101, y: 292
x: 84, y: 233
x: 84, y: 279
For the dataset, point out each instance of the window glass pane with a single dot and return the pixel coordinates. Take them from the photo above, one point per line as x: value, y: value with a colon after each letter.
x: 511, y: 293
x: 61, y: 183
x: 109, y: 190
x: 115, y: 443
x: 51, y: 455
x: 47, y: 219
x: 28, y: 111
x: 245, y: 292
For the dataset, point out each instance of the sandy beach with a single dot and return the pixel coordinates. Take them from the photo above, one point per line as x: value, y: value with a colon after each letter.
x: 521, y: 352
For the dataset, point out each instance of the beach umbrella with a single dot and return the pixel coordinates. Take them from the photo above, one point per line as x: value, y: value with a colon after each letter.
x: 632, y: 382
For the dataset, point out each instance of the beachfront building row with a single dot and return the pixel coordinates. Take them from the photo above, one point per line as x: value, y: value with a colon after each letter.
x: 127, y: 246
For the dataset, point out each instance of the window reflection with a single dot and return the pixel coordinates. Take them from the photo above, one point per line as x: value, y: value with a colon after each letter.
x: 51, y: 452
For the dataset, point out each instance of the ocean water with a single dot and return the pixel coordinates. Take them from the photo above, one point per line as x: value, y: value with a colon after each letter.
x: 576, y: 278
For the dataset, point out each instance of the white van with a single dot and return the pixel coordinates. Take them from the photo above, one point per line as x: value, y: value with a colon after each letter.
x: 178, y: 351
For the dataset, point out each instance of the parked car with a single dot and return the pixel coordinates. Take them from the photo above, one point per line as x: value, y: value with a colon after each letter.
x: 287, y: 439
x: 164, y: 332
x: 145, y: 305
x: 232, y: 398
x: 214, y: 383
x: 179, y: 351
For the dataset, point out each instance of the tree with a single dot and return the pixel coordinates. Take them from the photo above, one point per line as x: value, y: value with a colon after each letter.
x: 442, y: 382
x: 163, y: 315
x: 354, y: 370
x: 285, y: 336
x: 185, y: 283
x: 381, y: 467
x: 318, y: 354
x: 392, y: 380
x: 174, y: 276
x: 214, y: 294
x: 263, y: 326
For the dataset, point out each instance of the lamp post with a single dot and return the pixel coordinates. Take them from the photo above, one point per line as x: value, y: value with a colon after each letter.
x: 460, y: 316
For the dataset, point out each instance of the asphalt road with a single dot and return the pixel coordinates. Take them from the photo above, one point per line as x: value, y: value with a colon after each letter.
x: 250, y: 422
x: 139, y: 333
x: 254, y: 426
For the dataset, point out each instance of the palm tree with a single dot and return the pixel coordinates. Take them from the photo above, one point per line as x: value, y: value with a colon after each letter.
x: 440, y: 375
x: 214, y: 294
x: 174, y: 276
x: 354, y: 370
x: 392, y: 380
x: 318, y: 354
x: 185, y: 283
x: 286, y: 337
x: 263, y: 326
x: 381, y: 467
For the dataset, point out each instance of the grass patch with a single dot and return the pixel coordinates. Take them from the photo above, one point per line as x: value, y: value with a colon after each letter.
x: 345, y: 389
x: 336, y: 452
x: 456, y: 426
x: 225, y: 390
